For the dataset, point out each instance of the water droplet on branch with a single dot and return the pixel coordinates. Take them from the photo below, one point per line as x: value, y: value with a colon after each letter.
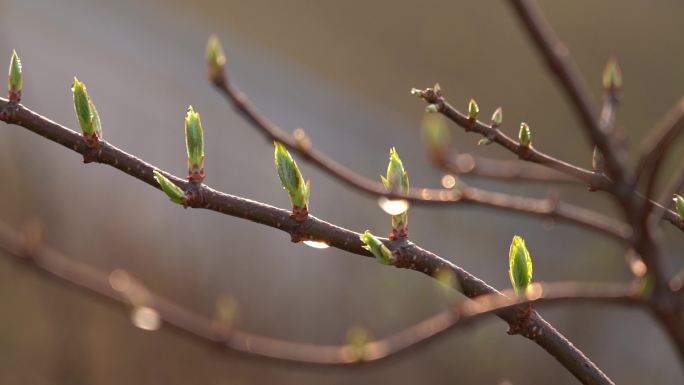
x: 393, y: 206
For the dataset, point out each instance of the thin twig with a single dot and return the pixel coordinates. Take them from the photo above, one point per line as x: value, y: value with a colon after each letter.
x: 183, y: 320
x: 408, y: 255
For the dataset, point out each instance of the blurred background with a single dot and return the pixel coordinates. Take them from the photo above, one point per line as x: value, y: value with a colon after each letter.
x: 341, y: 70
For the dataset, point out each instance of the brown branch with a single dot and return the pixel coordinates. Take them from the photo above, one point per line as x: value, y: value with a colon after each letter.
x: 514, y: 171
x: 183, y: 320
x: 464, y: 195
x: 595, y: 180
x: 408, y: 255
x: 558, y: 60
x: 656, y: 145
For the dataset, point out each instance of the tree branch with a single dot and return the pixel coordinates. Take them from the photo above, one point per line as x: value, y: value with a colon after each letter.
x: 508, y: 170
x: 408, y: 255
x: 558, y: 60
x: 183, y: 320
x: 656, y: 145
x: 463, y: 195
x: 596, y: 181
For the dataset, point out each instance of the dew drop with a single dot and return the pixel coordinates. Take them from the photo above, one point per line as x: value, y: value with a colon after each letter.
x: 316, y: 244
x: 393, y: 206
x: 146, y: 318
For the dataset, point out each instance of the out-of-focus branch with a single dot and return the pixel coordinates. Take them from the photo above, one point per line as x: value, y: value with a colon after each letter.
x: 407, y: 254
x: 508, y: 170
x: 558, y: 60
x: 180, y: 319
x: 656, y: 145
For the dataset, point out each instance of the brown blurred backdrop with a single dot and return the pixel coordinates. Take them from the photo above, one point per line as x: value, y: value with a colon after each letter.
x: 341, y: 70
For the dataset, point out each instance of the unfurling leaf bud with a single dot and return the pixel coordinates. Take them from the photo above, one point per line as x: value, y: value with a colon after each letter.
x: 437, y: 89
x: 377, y: 248
x: 612, y: 76
x: 497, y: 117
x: 216, y: 60
x: 397, y: 182
x: 432, y: 108
x: 525, y: 135
x: 15, y: 80
x: 88, y: 118
x: 194, y: 144
x: 397, y: 178
x: 679, y: 205
x: 292, y: 181
x: 174, y: 192
x: 473, y: 110
x: 520, y: 265
x: 484, y: 142
x: 597, y: 162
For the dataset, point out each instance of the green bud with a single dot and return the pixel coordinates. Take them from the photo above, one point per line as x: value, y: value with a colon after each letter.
x: 194, y: 143
x: 679, y: 205
x: 174, y: 192
x: 417, y: 92
x: 473, y: 110
x: 15, y: 80
x: 525, y: 135
x: 484, y: 142
x: 377, y: 248
x: 397, y: 178
x: 291, y: 178
x: 597, y: 160
x: 520, y: 265
x: 435, y: 132
x: 216, y: 59
x: 357, y: 340
x: 397, y: 182
x: 88, y: 118
x: 432, y: 108
x: 612, y: 76
x: 497, y: 117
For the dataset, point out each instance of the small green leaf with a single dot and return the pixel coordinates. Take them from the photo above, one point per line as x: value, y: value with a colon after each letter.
x: 612, y: 76
x: 497, y: 117
x: 520, y: 265
x: 597, y: 162
x: 216, y: 59
x: 291, y: 178
x: 525, y: 135
x: 194, y: 144
x: 15, y: 80
x: 88, y: 118
x: 473, y: 110
x: 174, y: 192
x: 484, y: 142
x: 377, y: 248
x: 679, y: 205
